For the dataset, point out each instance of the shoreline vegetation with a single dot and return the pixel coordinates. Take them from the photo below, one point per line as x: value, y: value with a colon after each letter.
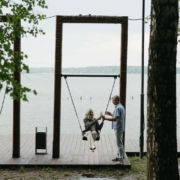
x: 93, y: 70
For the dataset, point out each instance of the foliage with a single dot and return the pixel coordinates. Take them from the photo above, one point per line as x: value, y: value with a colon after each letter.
x: 21, y: 168
x: 138, y: 164
x: 11, y: 61
x: 148, y: 18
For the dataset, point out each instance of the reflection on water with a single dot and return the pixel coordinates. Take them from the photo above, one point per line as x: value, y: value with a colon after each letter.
x: 87, y: 93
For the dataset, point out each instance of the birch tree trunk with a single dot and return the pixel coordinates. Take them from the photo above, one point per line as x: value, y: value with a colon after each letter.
x: 162, y: 163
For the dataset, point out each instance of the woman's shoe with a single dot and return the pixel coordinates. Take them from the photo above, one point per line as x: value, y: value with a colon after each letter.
x: 93, y: 148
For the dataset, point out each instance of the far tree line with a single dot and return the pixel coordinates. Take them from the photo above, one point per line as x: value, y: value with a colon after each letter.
x: 94, y: 70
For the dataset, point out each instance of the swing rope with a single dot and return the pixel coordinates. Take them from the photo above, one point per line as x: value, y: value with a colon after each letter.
x: 110, y: 94
x: 65, y: 77
x: 3, y: 99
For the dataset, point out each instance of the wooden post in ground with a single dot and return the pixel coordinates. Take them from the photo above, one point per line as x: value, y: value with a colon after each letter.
x: 123, y: 65
x: 16, y: 104
x: 58, y: 65
x: 57, y: 89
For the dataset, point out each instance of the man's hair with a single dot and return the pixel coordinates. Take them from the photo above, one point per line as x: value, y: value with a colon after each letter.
x: 116, y: 97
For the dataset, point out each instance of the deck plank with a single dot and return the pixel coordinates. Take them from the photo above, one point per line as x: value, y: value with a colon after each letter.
x: 6, y: 149
x: 67, y: 155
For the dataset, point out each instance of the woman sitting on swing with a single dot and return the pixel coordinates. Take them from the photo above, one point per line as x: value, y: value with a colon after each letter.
x: 92, y: 128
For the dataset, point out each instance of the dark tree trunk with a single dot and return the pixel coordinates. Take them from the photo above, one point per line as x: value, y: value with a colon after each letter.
x: 162, y: 161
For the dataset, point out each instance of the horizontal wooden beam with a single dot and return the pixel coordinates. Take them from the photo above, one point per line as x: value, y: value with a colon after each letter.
x: 93, y: 19
x: 88, y: 75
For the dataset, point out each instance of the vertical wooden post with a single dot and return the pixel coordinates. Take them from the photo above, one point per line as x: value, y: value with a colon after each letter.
x: 57, y: 89
x: 123, y: 64
x: 16, y: 104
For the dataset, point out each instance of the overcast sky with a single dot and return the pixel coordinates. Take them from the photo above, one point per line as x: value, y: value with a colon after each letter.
x: 89, y: 44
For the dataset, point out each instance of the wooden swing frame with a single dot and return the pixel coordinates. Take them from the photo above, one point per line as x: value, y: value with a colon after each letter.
x: 58, y: 65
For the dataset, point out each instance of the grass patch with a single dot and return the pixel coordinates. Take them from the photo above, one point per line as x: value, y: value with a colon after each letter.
x: 140, y: 177
x: 135, y: 167
x: 119, y: 172
x: 138, y: 165
x: 66, y: 174
x: 48, y: 169
x: 10, y: 177
x: 21, y: 168
x: 54, y: 177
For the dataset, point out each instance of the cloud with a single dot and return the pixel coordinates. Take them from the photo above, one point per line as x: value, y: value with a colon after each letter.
x: 135, y: 49
x: 98, y: 49
x: 92, y: 49
x: 88, y: 48
x: 40, y: 50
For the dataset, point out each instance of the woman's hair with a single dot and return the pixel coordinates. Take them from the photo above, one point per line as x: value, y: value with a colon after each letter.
x: 87, y: 112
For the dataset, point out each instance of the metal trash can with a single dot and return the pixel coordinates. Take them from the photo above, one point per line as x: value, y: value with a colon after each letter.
x: 41, y: 140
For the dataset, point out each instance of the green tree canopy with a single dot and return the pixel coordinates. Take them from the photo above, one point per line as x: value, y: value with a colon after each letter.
x: 21, y: 11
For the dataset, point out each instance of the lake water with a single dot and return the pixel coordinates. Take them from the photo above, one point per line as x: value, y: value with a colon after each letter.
x: 38, y: 112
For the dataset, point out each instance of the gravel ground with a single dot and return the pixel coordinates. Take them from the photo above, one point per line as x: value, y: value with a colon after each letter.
x: 137, y: 172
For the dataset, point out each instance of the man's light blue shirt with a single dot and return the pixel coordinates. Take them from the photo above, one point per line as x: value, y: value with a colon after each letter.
x: 120, y: 113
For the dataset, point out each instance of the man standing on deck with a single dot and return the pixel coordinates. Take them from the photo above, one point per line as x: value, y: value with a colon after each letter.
x: 117, y: 119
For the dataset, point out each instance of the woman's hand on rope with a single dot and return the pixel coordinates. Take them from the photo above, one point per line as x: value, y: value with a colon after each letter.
x: 103, y: 118
x: 99, y: 118
x: 84, y: 131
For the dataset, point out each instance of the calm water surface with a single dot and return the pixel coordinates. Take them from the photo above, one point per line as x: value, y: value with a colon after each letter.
x: 38, y: 112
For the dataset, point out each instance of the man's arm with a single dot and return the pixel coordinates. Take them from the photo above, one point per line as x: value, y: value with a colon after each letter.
x: 110, y: 119
x: 108, y: 113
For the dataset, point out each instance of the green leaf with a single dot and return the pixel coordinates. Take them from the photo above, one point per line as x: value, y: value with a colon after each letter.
x: 34, y: 91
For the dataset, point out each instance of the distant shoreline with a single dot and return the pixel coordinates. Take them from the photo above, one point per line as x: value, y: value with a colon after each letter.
x: 93, y: 70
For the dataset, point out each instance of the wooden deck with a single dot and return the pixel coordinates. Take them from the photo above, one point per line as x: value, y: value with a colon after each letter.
x: 73, y: 151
